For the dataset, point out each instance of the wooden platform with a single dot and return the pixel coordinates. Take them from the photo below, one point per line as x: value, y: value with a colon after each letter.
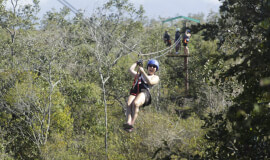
x: 178, y: 55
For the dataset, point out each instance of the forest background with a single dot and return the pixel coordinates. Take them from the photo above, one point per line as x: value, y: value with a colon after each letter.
x: 65, y: 81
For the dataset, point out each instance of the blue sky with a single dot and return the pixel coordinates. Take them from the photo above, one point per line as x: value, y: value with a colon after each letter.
x: 153, y: 8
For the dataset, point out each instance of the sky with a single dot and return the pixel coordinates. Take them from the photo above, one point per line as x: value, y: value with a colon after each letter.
x: 153, y: 8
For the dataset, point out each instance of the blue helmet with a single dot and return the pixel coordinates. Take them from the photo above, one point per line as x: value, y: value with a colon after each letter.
x: 153, y: 62
x: 188, y: 30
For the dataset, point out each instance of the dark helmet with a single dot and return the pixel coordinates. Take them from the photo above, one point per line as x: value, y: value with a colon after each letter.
x: 153, y: 62
x: 188, y: 31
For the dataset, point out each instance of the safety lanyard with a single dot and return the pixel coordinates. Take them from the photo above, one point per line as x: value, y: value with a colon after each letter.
x: 135, y: 79
x: 138, y: 84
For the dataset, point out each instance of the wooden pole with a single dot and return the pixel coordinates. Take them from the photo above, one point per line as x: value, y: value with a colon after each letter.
x: 186, y: 66
x: 186, y: 78
x: 185, y: 56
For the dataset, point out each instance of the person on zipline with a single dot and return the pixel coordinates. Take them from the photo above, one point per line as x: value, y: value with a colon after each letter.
x: 185, y: 41
x: 167, y: 38
x: 177, y: 36
x: 139, y: 93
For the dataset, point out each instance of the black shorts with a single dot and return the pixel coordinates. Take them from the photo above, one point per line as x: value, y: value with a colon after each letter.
x: 184, y: 44
x: 148, y: 99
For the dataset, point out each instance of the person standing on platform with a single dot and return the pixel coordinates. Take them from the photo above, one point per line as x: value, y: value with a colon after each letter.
x: 177, y: 36
x: 167, y: 38
x: 185, y: 41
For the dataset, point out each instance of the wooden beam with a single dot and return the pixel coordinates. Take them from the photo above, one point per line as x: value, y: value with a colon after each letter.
x: 188, y: 18
x: 177, y: 55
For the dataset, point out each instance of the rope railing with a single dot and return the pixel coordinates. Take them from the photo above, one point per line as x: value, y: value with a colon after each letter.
x: 169, y: 48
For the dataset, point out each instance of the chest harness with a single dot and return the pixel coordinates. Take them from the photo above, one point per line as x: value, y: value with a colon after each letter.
x: 140, y: 83
x: 186, y: 39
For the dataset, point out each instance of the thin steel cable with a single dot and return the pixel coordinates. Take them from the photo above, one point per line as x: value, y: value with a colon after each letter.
x: 169, y: 48
x: 70, y: 5
x: 75, y: 11
x: 65, y: 3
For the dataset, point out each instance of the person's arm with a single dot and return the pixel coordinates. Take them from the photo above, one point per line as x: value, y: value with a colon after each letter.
x: 132, y: 70
x: 152, y: 80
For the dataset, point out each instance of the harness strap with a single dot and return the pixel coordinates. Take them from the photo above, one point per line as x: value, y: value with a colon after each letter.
x: 135, y: 79
x: 138, y: 85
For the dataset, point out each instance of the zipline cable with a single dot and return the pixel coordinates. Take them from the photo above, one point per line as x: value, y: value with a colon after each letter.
x: 169, y: 48
x: 68, y: 5
x: 93, y: 25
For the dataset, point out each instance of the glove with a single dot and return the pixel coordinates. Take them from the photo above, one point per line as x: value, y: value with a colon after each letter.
x: 140, y: 63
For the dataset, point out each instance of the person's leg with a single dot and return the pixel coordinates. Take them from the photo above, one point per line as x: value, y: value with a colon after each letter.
x: 177, y: 48
x: 129, y: 108
x: 187, y: 50
x: 137, y: 103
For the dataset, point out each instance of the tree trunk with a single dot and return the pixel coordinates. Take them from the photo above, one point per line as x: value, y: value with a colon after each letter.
x: 105, y: 110
x: 106, y: 118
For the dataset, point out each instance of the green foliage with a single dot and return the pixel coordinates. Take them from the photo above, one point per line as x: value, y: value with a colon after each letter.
x: 54, y: 18
x: 168, y: 136
x: 27, y: 117
x: 63, y: 123
x: 243, y: 34
x: 69, y: 77
x: 84, y: 98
